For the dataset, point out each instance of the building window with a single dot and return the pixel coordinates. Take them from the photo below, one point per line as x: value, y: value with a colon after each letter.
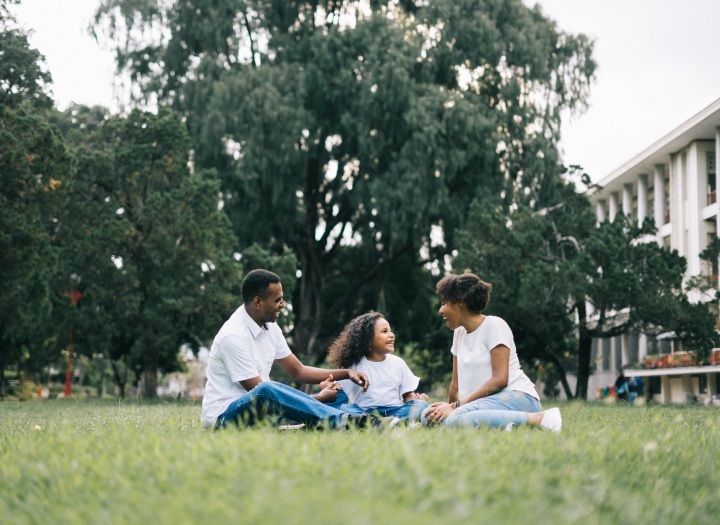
x: 702, y: 383
x: 665, y: 347
x: 667, y: 201
x: 634, y: 350
x: 711, y: 179
x: 606, y: 354
x: 711, y: 267
x: 618, y: 352
x: 594, y: 351
x: 652, y: 347
x: 654, y: 385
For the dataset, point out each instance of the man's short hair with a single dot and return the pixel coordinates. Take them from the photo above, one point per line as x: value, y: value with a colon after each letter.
x: 256, y: 284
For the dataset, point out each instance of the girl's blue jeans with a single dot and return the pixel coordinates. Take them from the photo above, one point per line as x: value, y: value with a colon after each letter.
x: 497, y: 410
x: 276, y: 399
x: 410, y: 411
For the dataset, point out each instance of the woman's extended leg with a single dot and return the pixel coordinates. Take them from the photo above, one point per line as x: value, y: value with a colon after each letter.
x: 498, y: 410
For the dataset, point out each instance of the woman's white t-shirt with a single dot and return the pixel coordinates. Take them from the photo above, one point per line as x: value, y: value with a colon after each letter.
x: 389, y: 380
x: 473, y: 357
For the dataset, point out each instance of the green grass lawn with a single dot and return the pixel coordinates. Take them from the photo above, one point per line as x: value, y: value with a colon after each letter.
x: 66, y: 461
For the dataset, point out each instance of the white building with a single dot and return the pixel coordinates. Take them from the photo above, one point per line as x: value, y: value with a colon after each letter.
x: 674, y: 181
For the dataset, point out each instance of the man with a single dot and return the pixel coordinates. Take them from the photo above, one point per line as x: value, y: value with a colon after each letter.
x: 239, y: 389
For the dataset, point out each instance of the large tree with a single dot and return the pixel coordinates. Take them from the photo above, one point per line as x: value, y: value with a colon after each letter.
x: 357, y: 133
x: 143, y: 241
x: 36, y: 169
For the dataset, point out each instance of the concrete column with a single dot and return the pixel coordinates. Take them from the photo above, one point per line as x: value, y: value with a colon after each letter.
x: 627, y: 199
x: 665, y: 390
x: 600, y: 212
x: 612, y: 206
x: 659, y: 199
x: 642, y: 198
x: 694, y: 204
x: 642, y: 346
x: 677, y: 203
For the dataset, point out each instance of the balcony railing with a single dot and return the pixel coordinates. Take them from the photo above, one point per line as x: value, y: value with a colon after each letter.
x: 679, y: 359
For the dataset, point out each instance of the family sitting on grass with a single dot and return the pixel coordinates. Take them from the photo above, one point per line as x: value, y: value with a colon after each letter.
x: 371, y: 387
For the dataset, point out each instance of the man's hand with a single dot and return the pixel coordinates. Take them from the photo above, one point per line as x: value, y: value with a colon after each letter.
x: 359, y: 379
x: 438, y: 413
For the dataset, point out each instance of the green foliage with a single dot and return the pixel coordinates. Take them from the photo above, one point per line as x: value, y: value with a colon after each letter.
x: 349, y: 135
x: 144, y: 242
x: 108, y: 463
x: 36, y: 171
x: 23, y: 76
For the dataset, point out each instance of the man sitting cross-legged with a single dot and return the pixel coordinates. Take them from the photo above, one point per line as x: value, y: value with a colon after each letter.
x: 239, y: 389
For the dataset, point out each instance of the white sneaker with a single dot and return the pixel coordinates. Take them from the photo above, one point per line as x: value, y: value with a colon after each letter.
x: 552, y: 420
x: 509, y: 427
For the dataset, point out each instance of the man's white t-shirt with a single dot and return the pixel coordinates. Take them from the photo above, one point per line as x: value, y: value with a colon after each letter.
x: 241, y: 350
x: 473, y: 357
x: 389, y: 380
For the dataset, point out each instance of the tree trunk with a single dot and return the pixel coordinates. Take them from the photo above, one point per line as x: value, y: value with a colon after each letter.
x: 584, y: 352
x: 150, y: 375
x: 563, y: 375
x: 120, y: 379
x: 309, y: 314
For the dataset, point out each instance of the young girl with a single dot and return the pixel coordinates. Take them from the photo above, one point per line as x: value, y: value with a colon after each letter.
x: 366, y: 344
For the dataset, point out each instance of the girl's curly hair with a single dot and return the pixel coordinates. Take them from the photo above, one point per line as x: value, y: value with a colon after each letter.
x: 354, y: 341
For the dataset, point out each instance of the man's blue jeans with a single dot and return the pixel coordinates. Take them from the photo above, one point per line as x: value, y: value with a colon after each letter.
x: 410, y: 410
x: 276, y: 399
x: 497, y: 410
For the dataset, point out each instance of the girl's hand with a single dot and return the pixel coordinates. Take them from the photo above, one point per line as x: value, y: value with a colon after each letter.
x: 438, y: 413
x: 415, y: 395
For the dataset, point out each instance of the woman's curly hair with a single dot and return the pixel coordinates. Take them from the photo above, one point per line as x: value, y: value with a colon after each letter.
x: 354, y: 341
x: 467, y: 289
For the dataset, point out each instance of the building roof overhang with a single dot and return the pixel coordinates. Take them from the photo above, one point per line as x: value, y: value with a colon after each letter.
x: 702, y: 126
x: 673, y: 371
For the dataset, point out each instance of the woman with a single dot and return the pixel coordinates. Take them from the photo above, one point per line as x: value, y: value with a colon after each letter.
x: 488, y: 387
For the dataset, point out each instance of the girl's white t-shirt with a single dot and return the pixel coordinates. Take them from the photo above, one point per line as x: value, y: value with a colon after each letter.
x: 473, y: 357
x: 389, y: 380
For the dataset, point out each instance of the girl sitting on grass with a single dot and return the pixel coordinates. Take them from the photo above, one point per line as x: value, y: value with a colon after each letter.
x: 367, y: 344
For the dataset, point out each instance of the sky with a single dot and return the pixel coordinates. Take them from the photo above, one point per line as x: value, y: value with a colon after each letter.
x: 658, y: 65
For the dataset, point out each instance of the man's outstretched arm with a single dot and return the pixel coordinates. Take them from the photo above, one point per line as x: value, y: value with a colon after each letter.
x: 313, y: 375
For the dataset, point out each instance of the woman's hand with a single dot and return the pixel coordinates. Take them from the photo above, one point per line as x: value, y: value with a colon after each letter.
x: 438, y: 413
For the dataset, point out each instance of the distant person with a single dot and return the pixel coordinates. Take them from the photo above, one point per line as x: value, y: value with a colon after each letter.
x: 621, y: 385
x: 239, y: 389
x: 636, y: 389
x: 367, y: 344
x: 488, y: 386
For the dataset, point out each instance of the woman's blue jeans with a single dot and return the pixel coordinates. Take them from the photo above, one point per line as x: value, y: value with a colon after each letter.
x: 276, y: 399
x: 410, y: 411
x: 497, y: 410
